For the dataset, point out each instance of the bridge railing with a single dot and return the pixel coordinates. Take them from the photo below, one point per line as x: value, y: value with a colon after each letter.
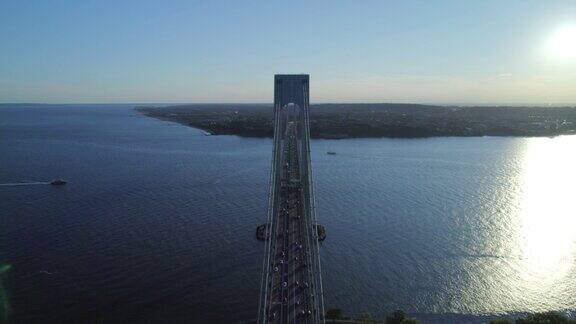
x: 270, y: 243
x: 315, y: 247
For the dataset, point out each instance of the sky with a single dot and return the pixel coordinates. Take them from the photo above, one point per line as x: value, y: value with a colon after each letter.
x: 456, y: 52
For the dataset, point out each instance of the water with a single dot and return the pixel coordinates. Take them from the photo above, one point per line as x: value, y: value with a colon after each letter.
x: 24, y: 184
x: 157, y: 221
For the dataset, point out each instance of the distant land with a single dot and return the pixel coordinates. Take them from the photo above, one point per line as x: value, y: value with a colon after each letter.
x: 340, y: 121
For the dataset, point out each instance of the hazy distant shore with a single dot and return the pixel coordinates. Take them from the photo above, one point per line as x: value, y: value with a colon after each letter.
x: 340, y: 121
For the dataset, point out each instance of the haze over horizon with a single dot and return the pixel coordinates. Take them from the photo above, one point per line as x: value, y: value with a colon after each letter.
x: 444, y: 52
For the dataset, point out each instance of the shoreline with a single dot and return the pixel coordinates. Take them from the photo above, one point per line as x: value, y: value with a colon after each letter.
x: 348, y: 121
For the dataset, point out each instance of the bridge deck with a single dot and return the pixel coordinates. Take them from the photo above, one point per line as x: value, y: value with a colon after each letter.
x: 291, y: 283
x: 290, y: 298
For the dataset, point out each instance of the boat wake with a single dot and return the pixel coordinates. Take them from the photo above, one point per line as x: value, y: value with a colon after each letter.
x: 23, y: 184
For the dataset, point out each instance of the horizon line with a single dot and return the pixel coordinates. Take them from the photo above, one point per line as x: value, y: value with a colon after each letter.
x: 457, y: 104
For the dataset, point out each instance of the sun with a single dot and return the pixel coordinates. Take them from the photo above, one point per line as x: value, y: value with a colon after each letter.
x: 562, y: 43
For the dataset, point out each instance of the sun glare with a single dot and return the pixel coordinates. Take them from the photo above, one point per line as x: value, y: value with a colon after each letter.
x: 562, y: 43
x: 547, y: 227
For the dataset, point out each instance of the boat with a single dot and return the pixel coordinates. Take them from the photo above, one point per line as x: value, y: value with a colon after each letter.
x: 331, y: 153
x: 58, y: 182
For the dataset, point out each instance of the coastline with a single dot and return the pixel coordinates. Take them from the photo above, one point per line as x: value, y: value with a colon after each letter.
x: 343, y: 121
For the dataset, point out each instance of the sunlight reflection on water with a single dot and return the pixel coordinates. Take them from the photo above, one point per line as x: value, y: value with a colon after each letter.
x: 521, y: 248
x: 546, y: 236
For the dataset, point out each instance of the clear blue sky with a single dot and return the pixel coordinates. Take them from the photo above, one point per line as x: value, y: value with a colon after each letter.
x: 489, y: 51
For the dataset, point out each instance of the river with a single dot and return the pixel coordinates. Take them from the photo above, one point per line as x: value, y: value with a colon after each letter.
x: 157, y: 221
